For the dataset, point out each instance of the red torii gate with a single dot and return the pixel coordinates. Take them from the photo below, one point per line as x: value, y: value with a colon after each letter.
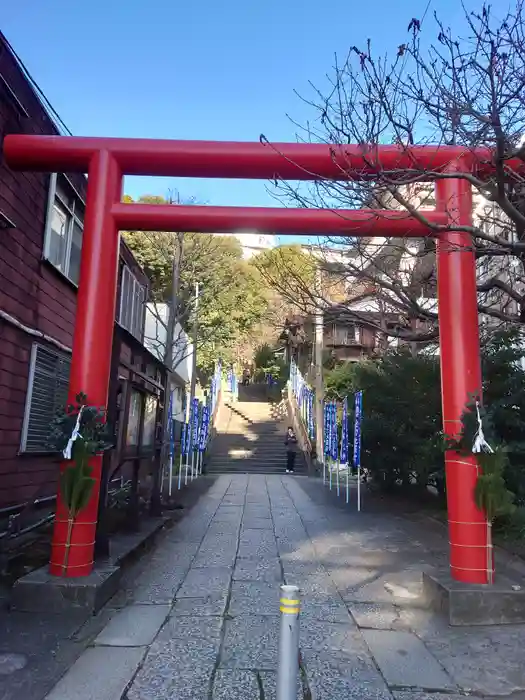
x: 107, y: 160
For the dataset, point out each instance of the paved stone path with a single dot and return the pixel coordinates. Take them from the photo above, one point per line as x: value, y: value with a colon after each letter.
x: 201, y: 620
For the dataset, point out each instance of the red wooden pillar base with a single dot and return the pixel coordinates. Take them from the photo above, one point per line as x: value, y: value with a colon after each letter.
x: 92, y: 342
x: 460, y: 377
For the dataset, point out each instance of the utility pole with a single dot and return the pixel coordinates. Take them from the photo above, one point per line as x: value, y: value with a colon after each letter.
x: 173, y: 308
x: 195, y: 338
x: 319, y: 381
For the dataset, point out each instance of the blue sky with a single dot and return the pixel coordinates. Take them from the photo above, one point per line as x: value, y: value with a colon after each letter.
x: 195, y: 70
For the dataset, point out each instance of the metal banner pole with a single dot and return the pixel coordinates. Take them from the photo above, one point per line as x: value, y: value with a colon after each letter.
x: 180, y: 470
x: 288, y: 663
x: 170, y: 485
x: 187, y: 468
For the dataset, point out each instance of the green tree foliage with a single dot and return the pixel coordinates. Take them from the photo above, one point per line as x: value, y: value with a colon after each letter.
x: 403, y: 441
x: 231, y: 300
x: 263, y: 356
x: 290, y: 273
x: 504, y: 399
x: 401, y: 429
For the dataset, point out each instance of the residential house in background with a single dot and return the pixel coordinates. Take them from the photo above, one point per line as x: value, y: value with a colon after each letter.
x: 41, y: 227
x: 155, y: 335
x: 491, y: 220
x: 358, y: 321
x: 356, y: 316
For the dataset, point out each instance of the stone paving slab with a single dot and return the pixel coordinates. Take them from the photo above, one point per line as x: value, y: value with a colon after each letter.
x: 205, y: 581
x: 379, y: 616
x: 269, y: 684
x: 217, y: 557
x: 155, y: 593
x: 254, y: 598
x: 251, y: 641
x: 486, y: 660
x: 401, y: 656
x: 236, y: 685
x: 180, y: 683
x: 134, y: 626
x: 262, y: 570
x: 101, y: 673
x: 207, y: 605
x: 257, y: 549
x: 210, y: 620
x: 185, y: 627
x: 418, y: 695
x: 257, y: 523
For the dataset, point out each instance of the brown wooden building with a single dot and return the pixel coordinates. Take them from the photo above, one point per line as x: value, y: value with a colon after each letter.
x: 41, y: 223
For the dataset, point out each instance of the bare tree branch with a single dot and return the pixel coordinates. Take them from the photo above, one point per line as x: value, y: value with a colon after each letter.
x: 438, y: 87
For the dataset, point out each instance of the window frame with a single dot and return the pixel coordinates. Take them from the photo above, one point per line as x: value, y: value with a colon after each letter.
x: 24, y: 434
x: 146, y: 446
x: 138, y: 298
x: 72, y: 218
x: 128, y: 446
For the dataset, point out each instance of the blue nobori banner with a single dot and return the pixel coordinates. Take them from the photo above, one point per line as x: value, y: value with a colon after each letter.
x: 194, y: 425
x: 203, y: 436
x: 344, y: 434
x: 334, y: 442
x: 357, y: 428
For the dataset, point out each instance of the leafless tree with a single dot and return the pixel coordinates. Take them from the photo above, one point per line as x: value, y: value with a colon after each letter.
x: 440, y: 87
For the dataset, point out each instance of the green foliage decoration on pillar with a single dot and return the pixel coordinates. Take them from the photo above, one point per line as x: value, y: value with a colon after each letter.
x: 491, y: 493
x: 79, y: 432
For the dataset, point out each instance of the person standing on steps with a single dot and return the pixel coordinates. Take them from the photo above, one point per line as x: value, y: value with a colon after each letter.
x: 291, y: 450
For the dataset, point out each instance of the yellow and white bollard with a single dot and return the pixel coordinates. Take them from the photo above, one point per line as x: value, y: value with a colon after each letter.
x: 288, y: 665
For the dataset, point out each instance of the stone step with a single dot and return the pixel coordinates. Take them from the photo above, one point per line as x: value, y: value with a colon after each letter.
x: 257, y: 464
x: 259, y: 461
x: 248, y: 444
x: 238, y: 424
x: 250, y: 469
x: 239, y: 454
x: 251, y: 444
x: 245, y: 458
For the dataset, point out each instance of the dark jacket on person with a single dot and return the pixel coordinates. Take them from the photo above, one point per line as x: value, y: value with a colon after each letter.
x: 291, y: 443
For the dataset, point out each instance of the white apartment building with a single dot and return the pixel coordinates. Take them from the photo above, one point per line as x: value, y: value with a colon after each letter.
x: 155, y: 334
x: 253, y: 243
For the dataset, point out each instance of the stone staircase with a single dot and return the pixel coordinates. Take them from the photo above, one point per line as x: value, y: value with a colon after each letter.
x: 250, y: 436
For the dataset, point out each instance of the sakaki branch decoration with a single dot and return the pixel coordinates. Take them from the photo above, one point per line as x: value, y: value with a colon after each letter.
x: 491, y: 493
x: 80, y: 432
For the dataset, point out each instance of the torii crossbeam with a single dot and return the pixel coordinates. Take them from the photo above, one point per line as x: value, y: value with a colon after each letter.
x: 107, y: 160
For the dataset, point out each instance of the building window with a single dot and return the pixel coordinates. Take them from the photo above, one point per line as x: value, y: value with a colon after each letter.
x: 132, y: 303
x: 46, y: 395
x: 150, y: 421
x: 64, y: 227
x: 134, y: 418
x: 345, y: 335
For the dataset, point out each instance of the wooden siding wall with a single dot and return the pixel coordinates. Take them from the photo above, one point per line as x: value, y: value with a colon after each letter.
x: 33, y: 292
x: 30, y: 289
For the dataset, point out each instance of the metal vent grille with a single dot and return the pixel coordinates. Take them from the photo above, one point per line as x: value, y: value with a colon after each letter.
x: 47, y: 394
